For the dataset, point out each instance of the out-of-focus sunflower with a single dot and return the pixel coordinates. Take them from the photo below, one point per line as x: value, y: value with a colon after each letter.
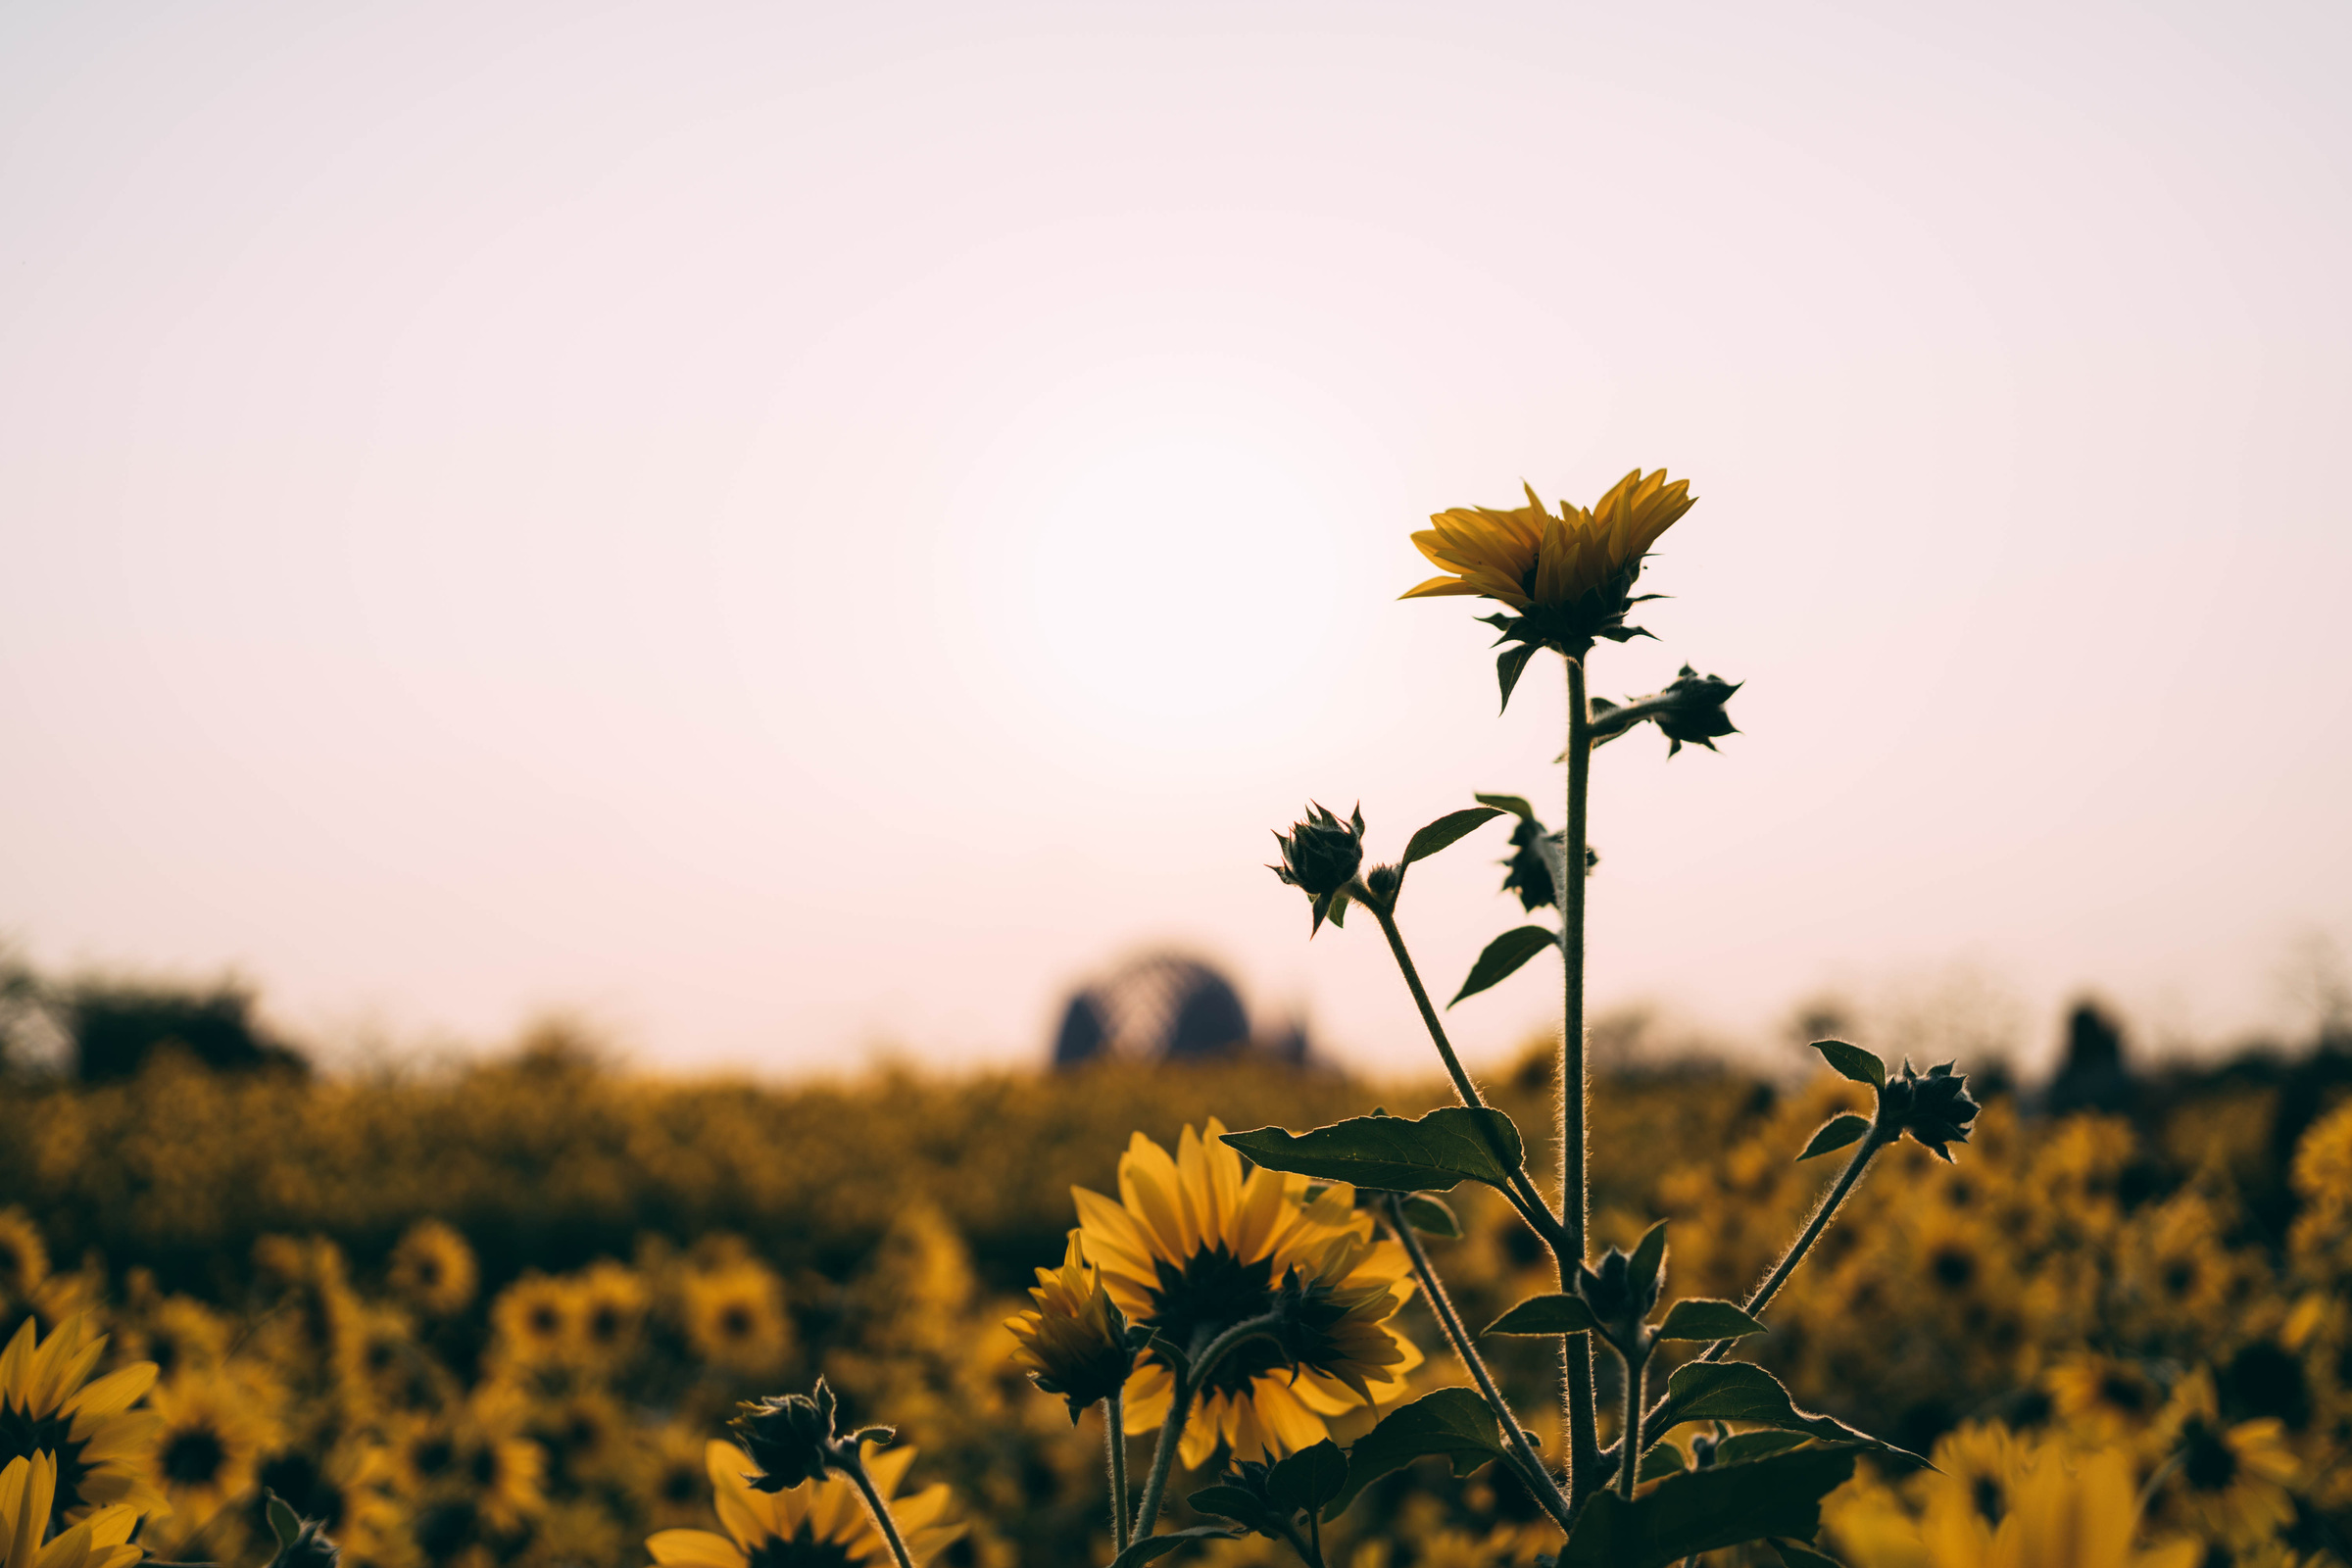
x: 536, y: 1320
x: 611, y: 1306
x: 586, y: 1437
x: 734, y: 1316
x: 433, y: 1267
x: 346, y: 1491
x: 501, y: 1470
x: 1195, y: 1247
x: 2229, y: 1483
x: 1570, y: 575
x: 1970, y: 1492
x: 2065, y: 1512
x: 24, y: 1256
x: 47, y: 1403
x: 210, y: 1430
x: 378, y: 1364
x: 672, y: 1482
x: 818, y: 1524
x: 2104, y: 1399
x: 29, y: 1497
x: 178, y: 1334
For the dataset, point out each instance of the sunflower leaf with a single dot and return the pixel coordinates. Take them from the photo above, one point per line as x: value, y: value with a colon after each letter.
x: 1697, y: 1317
x: 1507, y: 666
x: 1242, y: 1506
x: 1503, y: 957
x: 1663, y: 1460
x: 1154, y: 1547
x: 1699, y: 1510
x: 284, y: 1523
x: 1516, y: 805
x: 1742, y: 1446
x: 1798, y: 1555
x: 1432, y: 1154
x: 1741, y: 1390
x: 1453, y: 1424
x: 1852, y: 1062
x: 1308, y: 1479
x: 1555, y: 1313
x: 1446, y: 830
x: 1835, y: 1133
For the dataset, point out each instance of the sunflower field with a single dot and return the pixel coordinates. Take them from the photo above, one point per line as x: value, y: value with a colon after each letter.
x: 501, y: 1315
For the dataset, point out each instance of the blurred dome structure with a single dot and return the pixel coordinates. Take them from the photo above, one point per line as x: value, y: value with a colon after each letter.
x: 1162, y: 1007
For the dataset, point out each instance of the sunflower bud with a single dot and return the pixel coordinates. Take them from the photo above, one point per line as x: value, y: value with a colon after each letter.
x: 1934, y: 1109
x: 1320, y: 855
x: 791, y: 1438
x: 1530, y: 868
x: 1694, y: 712
x: 1619, y: 1294
x: 1074, y: 1341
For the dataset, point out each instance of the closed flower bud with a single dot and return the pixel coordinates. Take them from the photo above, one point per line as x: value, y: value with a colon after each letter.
x: 1616, y: 1297
x: 1320, y: 855
x: 790, y: 1438
x: 1693, y: 710
x: 1933, y: 1107
x: 1529, y: 873
x: 1074, y: 1341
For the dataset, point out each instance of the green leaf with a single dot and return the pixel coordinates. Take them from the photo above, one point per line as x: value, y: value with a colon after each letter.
x: 1835, y: 1133
x: 1701, y: 1510
x: 1503, y: 957
x: 1308, y: 1479
x: 1156, y: 1546
x: 1741, y: 1390
x: 1648, y: 1262
x: 1663, y: 1460
x: 1453, y: 1423
x: 1239, y: 1506
x: 1698, y: 1317
x: 1507, y: 666
x: 284, y: 1523
x: 1516, y: 805
x: 1430, y: 1154
x: 1852, y: 1062
x: 1555, y: 1313
x: 1743, y: 1446
x: 1797, y: 1554
x: 1431, y: 1217
x: 1447, y: 829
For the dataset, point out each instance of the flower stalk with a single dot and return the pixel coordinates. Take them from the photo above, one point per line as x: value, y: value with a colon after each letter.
x: 1189, y: 1374
x: 1114, y: 1423
x: 1576, y: 1088
x: 852, y: 1465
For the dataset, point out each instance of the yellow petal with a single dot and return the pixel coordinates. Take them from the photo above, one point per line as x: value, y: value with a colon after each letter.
x: 697, y: 1548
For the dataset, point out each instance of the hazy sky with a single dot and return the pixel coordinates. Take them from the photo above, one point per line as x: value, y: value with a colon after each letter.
x: 788, y: 528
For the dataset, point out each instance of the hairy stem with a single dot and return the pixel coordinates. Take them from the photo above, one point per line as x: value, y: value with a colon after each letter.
x: 1537, y: 1479
x: 854, y: 1466
x: 1522, y: 1192
x: 1188, y: 1379
x: 1631, y: 1439
x: 1115, y: 1420
x: 1576, y: 1089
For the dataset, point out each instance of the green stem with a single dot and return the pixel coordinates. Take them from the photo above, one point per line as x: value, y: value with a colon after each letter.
x: 1537, y: 1479
x: 1576, y: 1089
x: 1180, y: 1408
x: 853, y: 1467
x: 1114, y: 1418
x: 1521, y: 1191
x: 1629, y: 1473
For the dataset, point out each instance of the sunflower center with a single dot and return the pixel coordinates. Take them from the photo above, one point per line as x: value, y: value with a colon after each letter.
x: 603, y: 1324
x: 21, y: 1436
x: 680, y: 1485
x: 802, y: 1551
x: 2120, y: 1393
x: 2208, y: 1463
x: 1955, y: 1267
x: 194, y: 1457
x: 1985, y: 1494
x: 736, y: 1322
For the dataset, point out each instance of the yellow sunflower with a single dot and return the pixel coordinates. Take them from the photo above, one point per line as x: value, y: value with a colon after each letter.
x: 1073, y: 1342
x: 2081, y: 1514
x: 346, y: 1491
x: 2229, y: 1481
x: 210, y: 1430
x: 24, y: 1258
x: 1195, y: 1247
x: 434, y: 1268
x: 818, y: 1524
x: 1527, y: 557
x: 734, y: 1316
x: 672, y: 1482
x: 611, y: 1300
x: 1978, y: 1467
x: 536, y: 1320
x: 28, y: 1492
x: 47, y: 1402
x: 178, y: 1334
x: 2103, y: 1400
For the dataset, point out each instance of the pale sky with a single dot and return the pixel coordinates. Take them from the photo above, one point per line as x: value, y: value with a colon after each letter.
x: 792, y: 530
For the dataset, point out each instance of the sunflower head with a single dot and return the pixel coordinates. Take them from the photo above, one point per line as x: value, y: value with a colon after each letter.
x: 1933, y: 1106
x: 28, y: 1496
x: 97, y: 1443
x: 820, y: 1521
x: 796, y: 1437
x: 1570, y: 576
x: 1074, y: 1341
x: 434, y: 1268
x: 1320, y: 857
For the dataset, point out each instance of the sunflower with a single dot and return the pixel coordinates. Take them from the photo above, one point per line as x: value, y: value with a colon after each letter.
x: 1970, y: 1492
x: 2228, y: 1482
x: 29, y: 1490
x: 672, y: 1482
x: 178, y: 1334
x: 2081, y: 1514
x: 1074, y: 1342
x: 735, y: 1316
x: 585, y: 1435
x: 211, y: 1431
x: 24, y: 1258
x: 378, y: 1363
x: 536, y: 1320
x: 612, y: 1305
x: 345, y: 1491
x: 1195, y: 1247
x: 818, y: 1524
x: 2104, y: 1399
x: 98, y: 1441
x: 433, y: 1267
x: 1570, y: 576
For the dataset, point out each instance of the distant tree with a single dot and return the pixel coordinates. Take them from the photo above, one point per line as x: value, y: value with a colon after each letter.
x: 2092, y: 1075
x: 116, y: 1025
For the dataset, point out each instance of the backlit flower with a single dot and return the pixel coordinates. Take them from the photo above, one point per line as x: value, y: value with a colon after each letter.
x: 1074, y: 1341
x: 434, y: 1267
x: 818, y: 1524
x: 1194, y: 1247
x: 28, y: 1492
x: 47, y: 1403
